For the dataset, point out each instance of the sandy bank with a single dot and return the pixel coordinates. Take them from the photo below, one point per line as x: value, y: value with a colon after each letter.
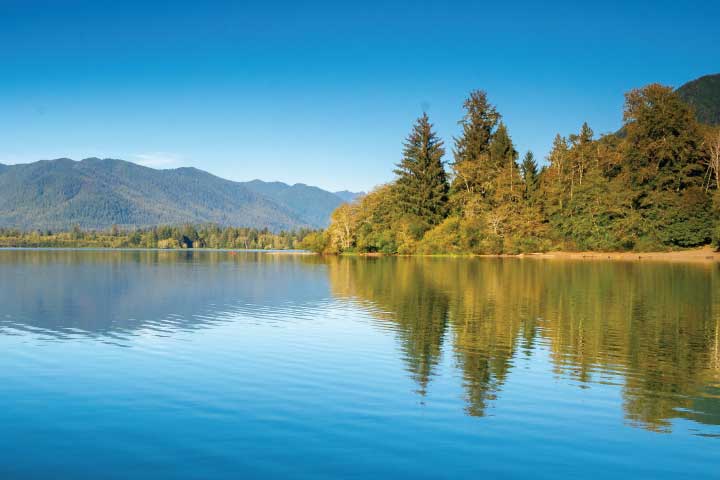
x: 705, y: 254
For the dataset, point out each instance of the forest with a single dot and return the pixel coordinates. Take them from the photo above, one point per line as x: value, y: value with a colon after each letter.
x: 165, y: 237
x: 653, y: 185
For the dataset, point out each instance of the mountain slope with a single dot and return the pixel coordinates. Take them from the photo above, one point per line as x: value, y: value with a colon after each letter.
x: 348, y: 196
x: 95, y: 193
x: 704, y: 95
x: 310, y: 203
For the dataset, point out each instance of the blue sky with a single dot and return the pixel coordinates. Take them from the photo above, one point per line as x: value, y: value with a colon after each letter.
x: 323, y: 93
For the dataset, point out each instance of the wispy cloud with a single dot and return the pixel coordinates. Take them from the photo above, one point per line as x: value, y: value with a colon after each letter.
x: 158, y: 159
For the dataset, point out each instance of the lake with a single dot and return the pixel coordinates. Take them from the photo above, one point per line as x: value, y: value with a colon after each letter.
x: 209, y: 365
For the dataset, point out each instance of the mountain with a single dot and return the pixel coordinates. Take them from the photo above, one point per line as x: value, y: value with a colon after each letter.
x: 704, y: 95
x: 98, y: 193
x: 348, y: 196
x: 310, y: 203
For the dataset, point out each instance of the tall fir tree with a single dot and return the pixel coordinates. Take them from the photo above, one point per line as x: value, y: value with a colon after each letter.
x: 471, y: 166
x: 580, y: 155
x: 421, y: 185
x: 505, y: 173
x: 502, y: 149
x: 529, y: 171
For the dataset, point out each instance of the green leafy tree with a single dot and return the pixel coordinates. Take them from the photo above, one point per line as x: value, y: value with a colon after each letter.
x: 664, y: 167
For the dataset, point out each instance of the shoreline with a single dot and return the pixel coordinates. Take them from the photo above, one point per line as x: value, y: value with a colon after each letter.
x: 706, y: 254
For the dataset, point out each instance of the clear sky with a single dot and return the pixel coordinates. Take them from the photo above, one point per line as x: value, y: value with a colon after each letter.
x: 323, y: 92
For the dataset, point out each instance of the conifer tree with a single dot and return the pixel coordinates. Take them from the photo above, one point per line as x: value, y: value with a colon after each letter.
x: 422, y: 186
x: 529, y: 170
x: 558, y: 156
x: 505, y: 173
x: 502, y: 150
x: 580, y: 156
x: 471, y: 165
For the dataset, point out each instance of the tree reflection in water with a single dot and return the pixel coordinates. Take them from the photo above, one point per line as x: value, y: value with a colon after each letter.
x: 656, y: 326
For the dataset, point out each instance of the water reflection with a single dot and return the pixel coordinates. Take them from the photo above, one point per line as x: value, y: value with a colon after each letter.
x: 110, y: 295
x: 653, y: 326
x: 654, y: 329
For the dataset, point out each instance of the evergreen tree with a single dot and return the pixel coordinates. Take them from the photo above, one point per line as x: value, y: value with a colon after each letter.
x: 505, y: 173
x: 422, y: 186
x: 580, y: 153
x: 552, y: 182
x: 501, y: 148
x: 529, y: 170
x: 586, y: 134
x: 471, y: 166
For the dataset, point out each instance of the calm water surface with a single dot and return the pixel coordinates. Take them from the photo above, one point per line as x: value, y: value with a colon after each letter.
x: 209, y: 365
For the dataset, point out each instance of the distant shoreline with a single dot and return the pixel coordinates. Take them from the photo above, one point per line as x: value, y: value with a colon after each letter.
x: 131, y: 249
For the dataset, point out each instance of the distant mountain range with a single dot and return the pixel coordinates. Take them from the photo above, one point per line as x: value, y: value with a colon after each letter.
x: 98, y: 193
x: 704, y: 95
x: 348, y: 196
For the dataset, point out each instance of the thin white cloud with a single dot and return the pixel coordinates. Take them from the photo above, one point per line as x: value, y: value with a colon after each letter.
x: 158, y: 159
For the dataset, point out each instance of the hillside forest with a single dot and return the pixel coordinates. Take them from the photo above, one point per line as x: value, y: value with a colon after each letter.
x: 653, y: 185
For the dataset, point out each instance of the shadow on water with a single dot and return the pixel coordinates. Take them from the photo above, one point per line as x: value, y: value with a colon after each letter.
x: 656, y: 327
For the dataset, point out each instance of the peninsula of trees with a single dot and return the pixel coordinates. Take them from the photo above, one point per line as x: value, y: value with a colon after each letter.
x: 655, y: 184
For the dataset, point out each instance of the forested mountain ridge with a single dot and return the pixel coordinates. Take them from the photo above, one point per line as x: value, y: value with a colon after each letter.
x: 98, y: 193
x: 703, y: 94
x: 310, y: 203
x: 348, y: 196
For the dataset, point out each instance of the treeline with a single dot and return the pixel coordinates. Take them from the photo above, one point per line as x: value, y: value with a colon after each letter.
x: 653, y: 185
x: 166, y: 237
